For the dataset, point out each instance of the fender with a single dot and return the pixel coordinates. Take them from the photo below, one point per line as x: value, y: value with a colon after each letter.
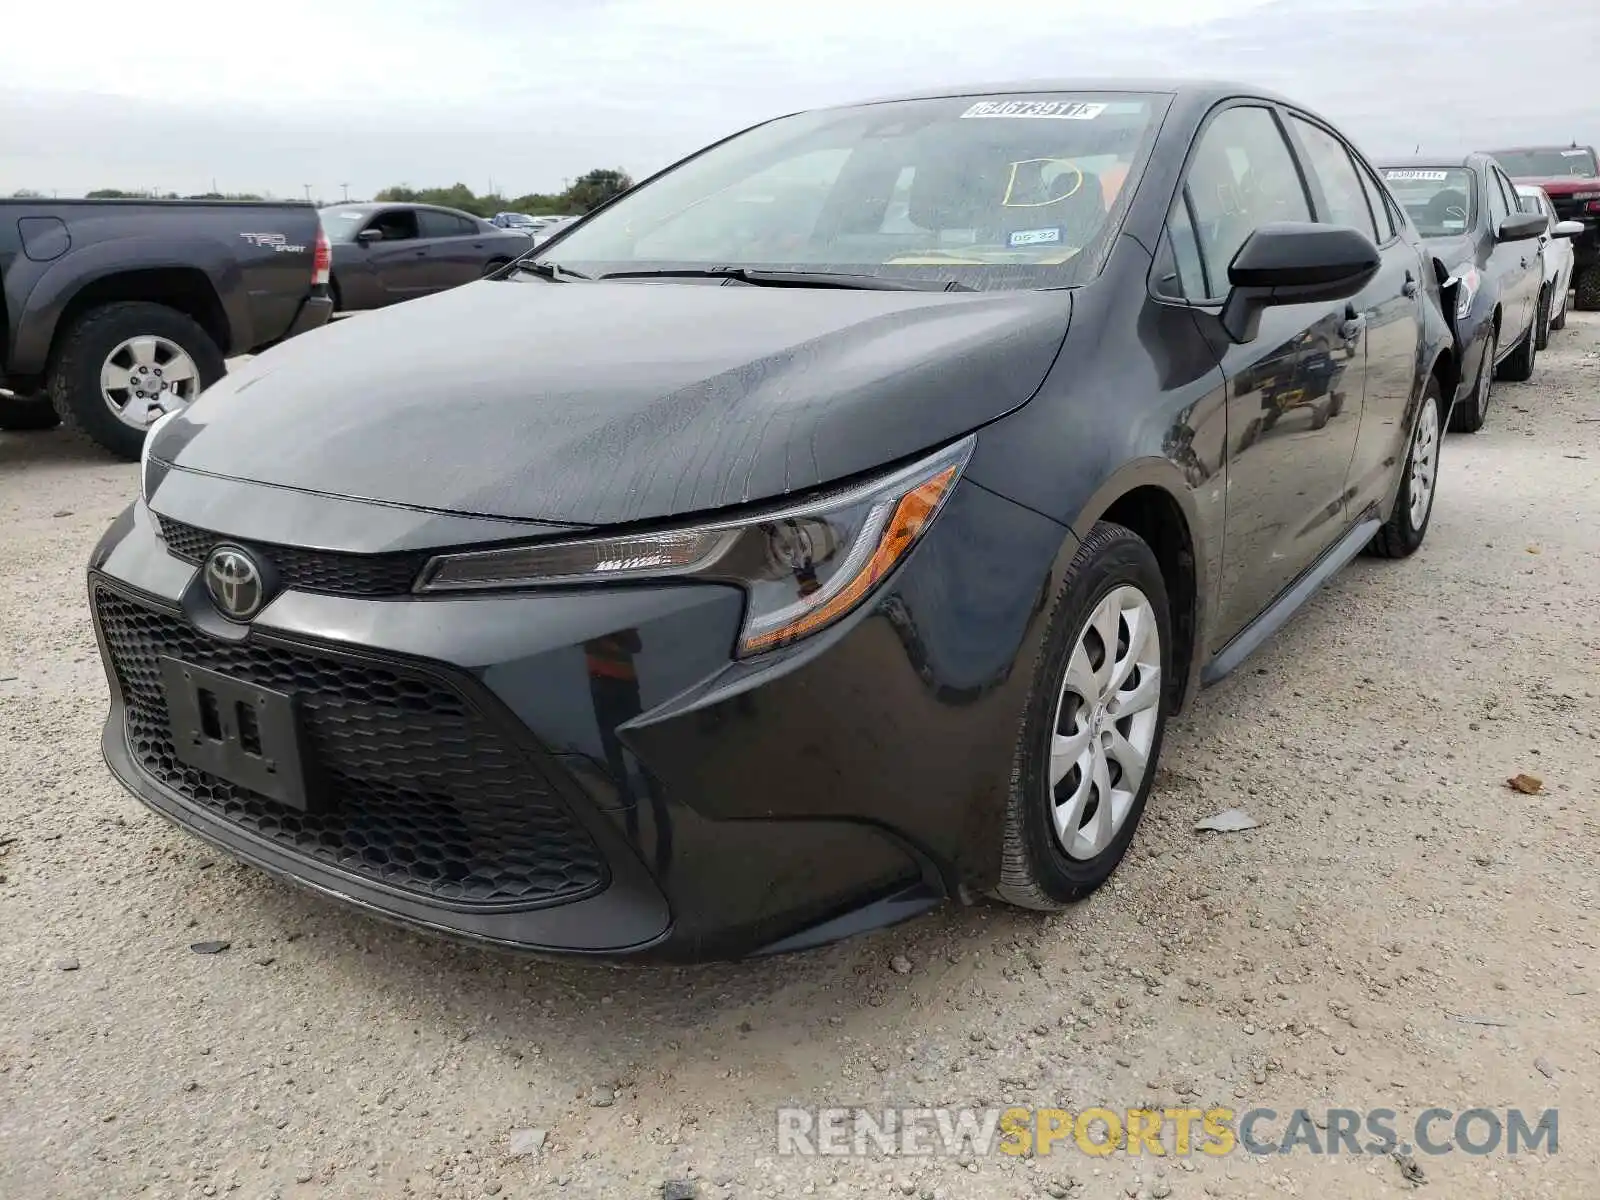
x: 1205, y: 542
x: 42, y: 307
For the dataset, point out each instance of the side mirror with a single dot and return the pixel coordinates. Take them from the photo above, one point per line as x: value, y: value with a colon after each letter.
x: 1519, y: 227
x: 368, y: 236
x: 1568, y: 229
x: 1294, y: 263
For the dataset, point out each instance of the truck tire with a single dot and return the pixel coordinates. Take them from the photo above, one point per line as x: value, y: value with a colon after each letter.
x: 20, y: 414
x: 149, y: 345
x: 1587, y: 289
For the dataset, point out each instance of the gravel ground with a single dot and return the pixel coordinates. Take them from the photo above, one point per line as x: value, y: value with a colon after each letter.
x: 1395, y: 885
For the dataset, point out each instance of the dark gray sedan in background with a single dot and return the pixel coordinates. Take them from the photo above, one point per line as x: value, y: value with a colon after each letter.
x: 384, y: 253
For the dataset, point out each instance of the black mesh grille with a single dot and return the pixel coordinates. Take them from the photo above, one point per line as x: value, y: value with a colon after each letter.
x: 430, y: 798
x: 310, y: 570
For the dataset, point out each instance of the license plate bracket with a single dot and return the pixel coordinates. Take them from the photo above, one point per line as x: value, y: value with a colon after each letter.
x: 241, y: 732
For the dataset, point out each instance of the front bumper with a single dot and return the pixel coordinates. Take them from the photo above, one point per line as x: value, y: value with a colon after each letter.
x: 500, y: 780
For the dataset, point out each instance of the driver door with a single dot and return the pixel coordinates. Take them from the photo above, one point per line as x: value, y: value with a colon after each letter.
x: 399, y: 259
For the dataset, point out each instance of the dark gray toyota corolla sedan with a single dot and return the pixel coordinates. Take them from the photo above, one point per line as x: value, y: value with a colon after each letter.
x: 825, y: 527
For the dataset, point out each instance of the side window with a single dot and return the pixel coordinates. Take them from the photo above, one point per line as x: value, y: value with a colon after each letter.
x: 443, y: 224
x: 1499, y: 206
x: 1341, y: 186
x: 1382, y: 213
x: 398, y: 225
x: 1186, y: 278
x: 1242, y: 176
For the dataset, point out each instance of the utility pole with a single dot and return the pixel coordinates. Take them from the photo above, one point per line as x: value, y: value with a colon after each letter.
x: 307, y: 187
x: 346, y: 188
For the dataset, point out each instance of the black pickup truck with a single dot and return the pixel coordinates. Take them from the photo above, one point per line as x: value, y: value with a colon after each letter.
x: 114, y: 312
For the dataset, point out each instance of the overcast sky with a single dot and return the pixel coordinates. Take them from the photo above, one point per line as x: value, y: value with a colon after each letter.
x: 173, y: 94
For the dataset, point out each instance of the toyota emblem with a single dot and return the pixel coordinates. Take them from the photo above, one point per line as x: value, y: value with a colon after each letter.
x: 234, y: 581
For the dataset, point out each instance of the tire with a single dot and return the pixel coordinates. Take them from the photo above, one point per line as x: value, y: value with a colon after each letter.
x: 1407, y: 525
x: 1335, y: 403
x: 1541, y: 320
x: 74, y: 378
x: 1559, y: 321
x: 25, y: 414
x: 1470, y: 413
x: 1320, y: 415
x: 494, y: 265
x: 1112, y: 567
x: 1586, y: 289
x: 1518, y: 368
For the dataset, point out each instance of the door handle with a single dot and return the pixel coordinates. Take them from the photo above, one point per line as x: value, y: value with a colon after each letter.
x: 421, y: 253
x: 1524, y: 260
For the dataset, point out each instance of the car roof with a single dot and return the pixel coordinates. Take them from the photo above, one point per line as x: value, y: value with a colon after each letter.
x: 1185, y: 89
x: 377, y: 205
x: 1474, y: 159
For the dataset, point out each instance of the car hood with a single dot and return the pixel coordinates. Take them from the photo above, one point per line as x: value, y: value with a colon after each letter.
x: 601, y: 403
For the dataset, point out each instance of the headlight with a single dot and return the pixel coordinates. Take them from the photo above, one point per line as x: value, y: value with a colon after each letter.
x: 803, y: 566
x: 1467, y: 281
x: 144, y: 452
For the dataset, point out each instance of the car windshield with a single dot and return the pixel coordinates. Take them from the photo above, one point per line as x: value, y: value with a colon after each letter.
x: 1550, y: 163
x: 998, y: 192
x: 1438, y: 199
x: 342, y: 224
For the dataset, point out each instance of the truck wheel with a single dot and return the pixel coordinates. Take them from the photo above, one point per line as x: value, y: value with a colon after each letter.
x: 120, y: 367
x: 1587, y: 289
x: 1519, y: 367
x: 20, y: 414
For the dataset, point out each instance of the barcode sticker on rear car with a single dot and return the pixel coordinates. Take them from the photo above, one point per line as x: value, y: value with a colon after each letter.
x: 1430, y: 176
x: 1054, y: 110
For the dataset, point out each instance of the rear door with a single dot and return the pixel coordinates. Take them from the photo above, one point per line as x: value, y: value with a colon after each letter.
x: 1384, y: 319
x: 1287, y: 454
x: 400, y: 259
x: 457, y: 246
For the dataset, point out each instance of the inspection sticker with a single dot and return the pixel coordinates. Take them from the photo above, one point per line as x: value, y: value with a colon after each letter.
x: 1055, y: 110
x: 1034, y: 237
x: 1430, y: 176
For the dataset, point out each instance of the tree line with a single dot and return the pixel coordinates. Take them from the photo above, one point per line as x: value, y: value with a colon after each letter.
x: 587, y: 192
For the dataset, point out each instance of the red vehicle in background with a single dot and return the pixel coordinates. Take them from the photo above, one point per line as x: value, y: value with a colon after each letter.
x: 1570, y: 175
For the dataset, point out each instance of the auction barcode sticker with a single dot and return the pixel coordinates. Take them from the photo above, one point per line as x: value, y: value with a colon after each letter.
x: 1053, y: 110
x: 1430, y: 176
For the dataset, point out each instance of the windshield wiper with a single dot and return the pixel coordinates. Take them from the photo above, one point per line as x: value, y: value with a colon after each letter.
x: 549, y: 270
x: 759, y: 277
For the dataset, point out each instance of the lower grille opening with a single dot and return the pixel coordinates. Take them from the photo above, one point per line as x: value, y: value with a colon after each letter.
x: 429, y: 797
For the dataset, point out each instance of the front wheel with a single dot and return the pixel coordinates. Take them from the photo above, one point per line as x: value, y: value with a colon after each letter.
x: 1541, y: 321
x: 1403, y: 532
x: 1559, y: 321
x: 1091, y: 733
x: 1518, y: 368
x: 1471, y: 412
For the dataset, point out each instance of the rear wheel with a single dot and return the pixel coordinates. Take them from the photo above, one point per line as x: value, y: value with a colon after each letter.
x: 1092, y: 730
x: 23, y: 414
x: 1470, y: 413
x: 119, y: 368
x: 1518, y: 368
x: 1586, y: 289
x: 1403, y: 532
x: 494, y: 265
